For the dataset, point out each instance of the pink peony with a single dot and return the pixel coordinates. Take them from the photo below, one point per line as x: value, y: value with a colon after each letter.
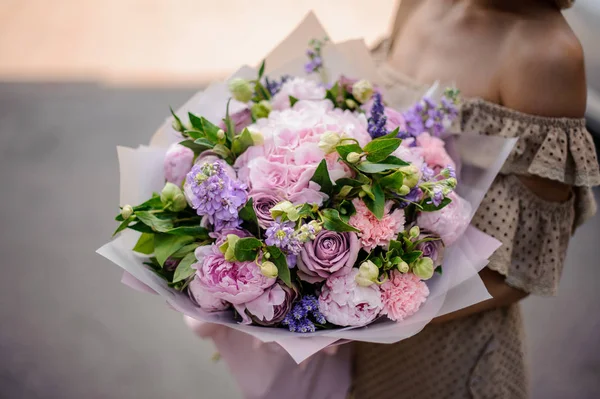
x: 330, y: 252
x: 177, y: 164
x: 402, y: 295
x: 450, y: 222
x: 299, y: 88
x: 434, y: 152
x: 205, y: 299
x: 271, y: 307
x: 374, y: 232
x: 236, y: 283
x: 345, y: 303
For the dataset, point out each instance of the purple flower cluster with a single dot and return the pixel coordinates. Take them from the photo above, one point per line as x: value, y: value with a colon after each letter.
x: 304, y: 315
x: 273, y: 86
x: 314, y: 63
x: 215, y: 195
x: 283, y: 236
x: 378, y: 119
x: 427, y: 116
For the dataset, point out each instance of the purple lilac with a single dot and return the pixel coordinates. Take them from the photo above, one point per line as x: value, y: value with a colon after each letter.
x: 427, y: 173
x: 427, y: 116
x: 451, y: 171
x: 214, y: 194
x: 282, y: 236
x: 377, y: 120
x: 414, y: 195
x: 438, y: 196
x: 313, y: 65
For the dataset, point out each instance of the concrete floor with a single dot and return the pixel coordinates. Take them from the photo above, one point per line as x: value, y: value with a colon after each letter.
x: 69, y: 329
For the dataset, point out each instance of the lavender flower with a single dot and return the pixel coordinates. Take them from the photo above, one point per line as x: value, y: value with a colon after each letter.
x: 315, y: 62
x: 427, y: 116
x: 313, y: 65
x: 304, y: 315
x: 214, y: 194
x: 282, y: 235
x: 273, y: 86
x: 378, y: 119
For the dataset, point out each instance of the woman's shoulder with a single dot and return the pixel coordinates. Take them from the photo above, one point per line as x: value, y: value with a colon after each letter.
x: 543, y: 72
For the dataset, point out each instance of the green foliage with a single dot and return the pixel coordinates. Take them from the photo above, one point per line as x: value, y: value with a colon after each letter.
x: 145, y: 244
x: 246, y: 249
x: 321, y: 177
x: 154, y: 222
x: 184, y: 268
x: 430, y: 207
x: 344, y: 150
x: 166, y: 245
x: 279, y: 259
x: 242, y: 142
x: 379, y: 149
x: 332, y: 221
x: 376, y: 204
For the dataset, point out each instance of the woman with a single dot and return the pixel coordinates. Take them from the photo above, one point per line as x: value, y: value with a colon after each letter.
x: 520, y: 70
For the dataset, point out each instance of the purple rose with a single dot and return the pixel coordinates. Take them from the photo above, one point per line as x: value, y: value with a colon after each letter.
x: 330, y: 252
x: 263, y: 201
x: 234, y: 282
x: 241, y: 120
x: 178, y: 162
x: 432, y: 247
x: 271, y: 307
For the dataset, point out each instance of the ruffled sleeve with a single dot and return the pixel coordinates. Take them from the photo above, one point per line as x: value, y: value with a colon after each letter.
x: 559, y: 149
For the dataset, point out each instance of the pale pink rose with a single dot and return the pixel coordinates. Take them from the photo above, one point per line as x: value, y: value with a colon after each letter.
x: 434, y: 152
x: 268, y: 175
x: 450, y: 222
x: 345, y: 303
x: 374, y: 232
x: 402, y: 295
x: 177, y: 164
x: 205, y: 299
x: 299, y: 88
x: 234, y: 282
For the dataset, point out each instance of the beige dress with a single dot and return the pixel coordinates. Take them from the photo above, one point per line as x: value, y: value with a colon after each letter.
x: 482, y: 356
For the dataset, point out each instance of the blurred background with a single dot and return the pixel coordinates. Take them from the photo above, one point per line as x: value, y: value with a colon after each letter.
x: 79, y: 77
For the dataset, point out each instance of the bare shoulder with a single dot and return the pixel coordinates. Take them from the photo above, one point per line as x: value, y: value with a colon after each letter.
x: 544, y: 72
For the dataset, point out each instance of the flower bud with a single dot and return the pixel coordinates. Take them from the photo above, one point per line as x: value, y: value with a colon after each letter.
x: 404, y: 190
x: 221, y: 134
x: 412, y: 174
x: 241, y: 89
x: 414, y: 232
x: 172, y: 197
x: 261, y: 109
x: 351, y: 104
x: 353, y: 157
x: 126, y: 211
x: 177, y: 126
x: 362, y: 90
x: 328, y: 142
x: 451, y: 182
x: 257, y: 138
x: 423, y: 268
x: 228, y: 247
x: 268, y: 269
x: 403, y: 267
x: 368, y: 273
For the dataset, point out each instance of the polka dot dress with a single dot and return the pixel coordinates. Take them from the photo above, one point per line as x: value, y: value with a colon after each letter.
x: 482, y: 356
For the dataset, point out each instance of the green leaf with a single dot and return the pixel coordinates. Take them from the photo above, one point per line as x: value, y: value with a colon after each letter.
x: 410, y: 257
x: 279, y: 259
x: 151, y: 220
x: 124, y: 224
x: 197, y: 148
x: 344, y: 181
x: 333, y: 93
x: 196, y: 122
x: 166, y: 245
x: 186, y: 249
x: 223, y: 152
x: 247, y: 213
x: 392, y: 181
x: 391, y: 135
x: 430, y: 207
x: 184, y: 268
x: 293, y: 100
x: 346, y: 210
x: 229, y: 125
x: 246, y: 249
x: 176, y: 117
x: 370, y: 167
x: 378, y: 150
x: 242, y: 142
x: 438, y: 270
x: 145, y: 245
x: 210, y: 130
x: 261, y: 92
x: 396, y: 246
x: 197, y: 232
x: 321, y: 177
x: 346, y: 149
x: 194, y: 134
x: 333, y: 222
x: 141, y: 227
x: 377, y: 204
x: 204, y: 142
x: 395, y: 161
x: 261, y: 70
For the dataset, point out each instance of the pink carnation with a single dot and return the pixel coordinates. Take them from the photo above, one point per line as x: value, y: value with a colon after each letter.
x: 374, y: 232
x: 177, y: 164
x: 298, y: 88
x: 450, y: 222
x: 237, y: 282
x: 434, y: 152
x: 345, y: 303
x: 402, y: 295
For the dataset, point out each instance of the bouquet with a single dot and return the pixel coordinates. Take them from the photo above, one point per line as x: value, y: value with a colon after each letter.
x: 309, y: 208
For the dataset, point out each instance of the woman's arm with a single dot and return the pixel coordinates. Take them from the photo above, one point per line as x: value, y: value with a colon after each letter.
x: 544, y: 76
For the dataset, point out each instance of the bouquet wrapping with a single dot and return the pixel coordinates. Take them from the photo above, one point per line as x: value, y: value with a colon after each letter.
x: 307, y: 210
